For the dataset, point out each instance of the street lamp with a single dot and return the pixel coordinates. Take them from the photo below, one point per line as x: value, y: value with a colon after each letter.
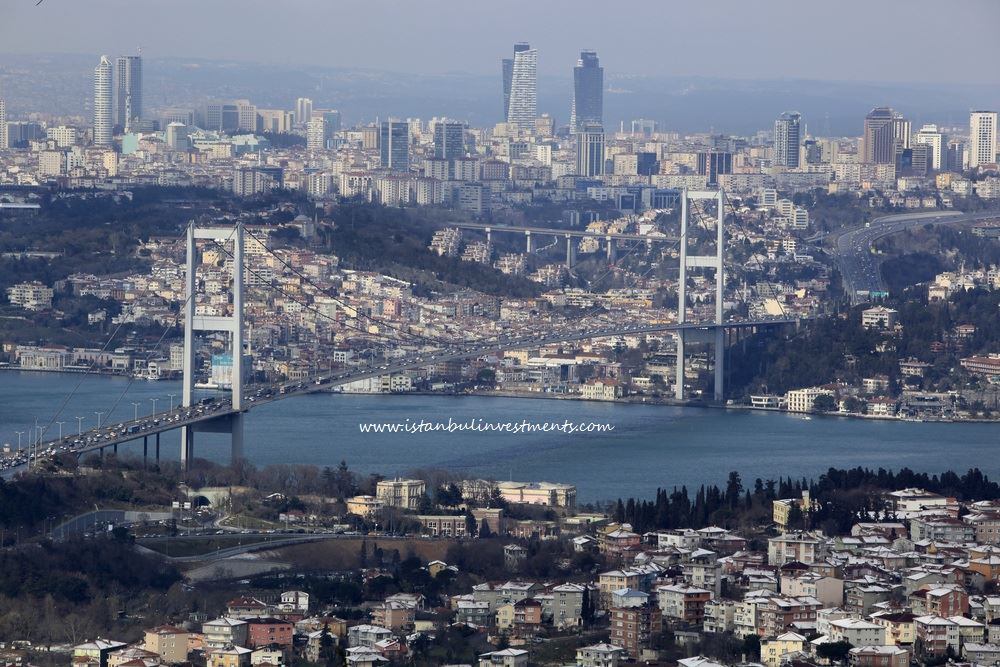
x: 154, y: 400
x: 135, y: 411
x: 99, y: 415
x: 171, y: 401
x: 79, y: 425
x: 19, y: 434
x: 60, y: 429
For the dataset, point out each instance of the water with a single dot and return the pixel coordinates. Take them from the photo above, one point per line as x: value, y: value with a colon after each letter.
x: 651, y: 446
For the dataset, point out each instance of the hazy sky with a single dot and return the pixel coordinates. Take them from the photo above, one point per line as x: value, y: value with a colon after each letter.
x: 869, y: 40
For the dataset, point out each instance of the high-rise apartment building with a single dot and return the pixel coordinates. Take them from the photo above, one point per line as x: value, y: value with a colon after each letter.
x: 982, y: 138
x: 4, y: 143
x: 879, y: 141
x: 303, y: 110
x: 787, y: 138
x: 394, y: 145
x: 590, y: 150
x: 102, y: 103
x: 316, y: 134
x: 931, y: 136
x: 128, y: 91
x: 449, y: 139
x: 588, y: 92
x: 522, y: 90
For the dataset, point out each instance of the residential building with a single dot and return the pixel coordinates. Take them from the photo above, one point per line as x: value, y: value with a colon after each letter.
x: 773, y: 651
x: 879, y: 317
x: 30, y: 296
x: 878, y: 656
x: 508, y: 657
x: 169, y: 642
x: 683, y: 603
x: 269, y: 632
x: 787, y: 139
x: 599, y: 655
x: 367, y: 635
x: 224, y: 631
x: 635, y: 629
x: 935, y: 635
x: 857, y: 632
x: 982, y: 138
x: 803, y: 547
x: 97, y: 651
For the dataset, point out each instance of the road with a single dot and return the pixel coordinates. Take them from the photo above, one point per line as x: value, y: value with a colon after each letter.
x: 860, y: 267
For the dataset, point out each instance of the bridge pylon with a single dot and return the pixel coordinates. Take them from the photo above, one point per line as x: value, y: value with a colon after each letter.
x: 232, y: 323
x: 715, y: 262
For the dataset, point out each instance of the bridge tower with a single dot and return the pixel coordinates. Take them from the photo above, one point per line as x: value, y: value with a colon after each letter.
x: 233, y: 324
x: 701, y: 261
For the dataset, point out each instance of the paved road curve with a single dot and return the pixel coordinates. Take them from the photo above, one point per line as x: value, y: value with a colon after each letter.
x: 860, y: 267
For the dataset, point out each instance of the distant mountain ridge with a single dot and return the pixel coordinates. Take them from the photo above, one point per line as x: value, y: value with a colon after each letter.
x: 62, y: 84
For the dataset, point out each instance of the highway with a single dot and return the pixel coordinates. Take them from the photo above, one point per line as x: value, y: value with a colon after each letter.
x: 860, y: 267
x: 653, y: 238
x: 210, y: 409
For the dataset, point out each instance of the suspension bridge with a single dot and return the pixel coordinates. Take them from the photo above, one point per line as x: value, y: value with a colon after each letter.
x: 226, y: 414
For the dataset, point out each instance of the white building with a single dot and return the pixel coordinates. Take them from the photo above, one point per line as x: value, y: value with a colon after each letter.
x: 982, y: 138
x: 102, y: 103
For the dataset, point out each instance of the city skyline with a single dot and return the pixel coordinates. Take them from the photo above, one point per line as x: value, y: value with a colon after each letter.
x: 291, y: 42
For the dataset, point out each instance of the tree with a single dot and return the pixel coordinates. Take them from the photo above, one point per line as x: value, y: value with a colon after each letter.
x: 834, y: 651
x: 327, y: 652
x: 751, y: 647
x: 824, y: 403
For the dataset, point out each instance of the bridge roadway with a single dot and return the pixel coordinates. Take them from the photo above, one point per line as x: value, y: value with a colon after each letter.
x: 209, y: 410
x: 549, y: 231
x: 860, y: 268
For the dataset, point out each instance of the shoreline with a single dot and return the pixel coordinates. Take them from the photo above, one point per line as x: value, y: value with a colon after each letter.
x: 631, y: 400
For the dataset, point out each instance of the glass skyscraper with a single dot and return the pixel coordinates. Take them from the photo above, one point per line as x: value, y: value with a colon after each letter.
x: 588, y: 92
x: 521, y: 86
x: 449, y: 139
x: 394, y: 145
x: 128, y: 97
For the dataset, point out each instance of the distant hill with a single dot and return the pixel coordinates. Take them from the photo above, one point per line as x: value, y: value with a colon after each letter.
x: 62, y: 84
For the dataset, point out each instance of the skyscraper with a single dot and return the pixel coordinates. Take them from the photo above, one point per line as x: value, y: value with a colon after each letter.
x: 303, y: 110
x: 128, y: 95
x: 449, y: 139
x: 316, y: 134
x: 931, y: 136
x: 102, y: 103
x: 4, y: 143
x: 982, y: 138
x: 588, y: 92
x: 590, y: 150
x: 508, y: 74
x: 394, y: 145
x: 787, y: 137
x: 879, y: 140
x: 522, y: 102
